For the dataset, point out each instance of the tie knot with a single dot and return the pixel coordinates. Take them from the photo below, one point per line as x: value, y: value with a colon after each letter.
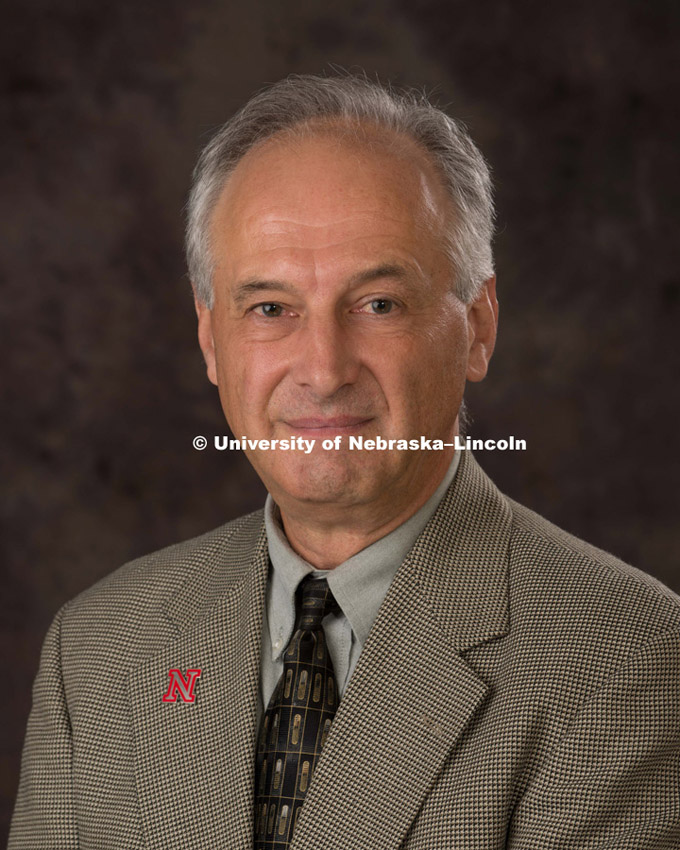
x: 317, y: 601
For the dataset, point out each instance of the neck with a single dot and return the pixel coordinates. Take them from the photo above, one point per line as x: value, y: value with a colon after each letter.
x: 326, y: 538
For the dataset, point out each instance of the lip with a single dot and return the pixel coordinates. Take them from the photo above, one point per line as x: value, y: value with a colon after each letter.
x: 323, y: 425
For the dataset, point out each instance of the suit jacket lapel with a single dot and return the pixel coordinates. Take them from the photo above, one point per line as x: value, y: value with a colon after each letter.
x: 194, y: 762
x: 412, y: 694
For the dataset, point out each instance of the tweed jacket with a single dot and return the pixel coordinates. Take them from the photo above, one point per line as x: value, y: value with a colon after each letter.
x: 519, y: 689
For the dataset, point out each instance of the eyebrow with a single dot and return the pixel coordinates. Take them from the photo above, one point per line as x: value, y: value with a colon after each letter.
x: 389, y: 270
x: 248, y: 287
x: 403, y: 274
x: 392, y: 270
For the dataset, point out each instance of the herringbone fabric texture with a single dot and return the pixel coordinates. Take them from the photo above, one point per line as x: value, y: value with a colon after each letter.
x: 296, y: 723
x: 531, y: 681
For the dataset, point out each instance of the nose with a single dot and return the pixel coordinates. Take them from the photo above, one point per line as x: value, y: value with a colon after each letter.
x: 325, y: 358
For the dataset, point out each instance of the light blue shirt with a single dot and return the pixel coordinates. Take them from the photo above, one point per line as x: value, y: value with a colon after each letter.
x: 359, y: 586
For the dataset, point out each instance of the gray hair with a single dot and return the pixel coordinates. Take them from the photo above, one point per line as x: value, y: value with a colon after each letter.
x: 301, y: 103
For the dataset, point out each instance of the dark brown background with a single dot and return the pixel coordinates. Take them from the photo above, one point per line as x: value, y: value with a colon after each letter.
x: 106, y: 104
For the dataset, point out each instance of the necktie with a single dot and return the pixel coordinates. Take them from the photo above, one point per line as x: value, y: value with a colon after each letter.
x: 296, y: 723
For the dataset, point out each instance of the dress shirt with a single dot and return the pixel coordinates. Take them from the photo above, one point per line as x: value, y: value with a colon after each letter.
x: 359, y: 586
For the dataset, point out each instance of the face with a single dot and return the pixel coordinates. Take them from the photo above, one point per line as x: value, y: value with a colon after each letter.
x: 334, y: 315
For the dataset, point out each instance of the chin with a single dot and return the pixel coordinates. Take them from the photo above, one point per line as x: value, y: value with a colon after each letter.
x: 326, y: 481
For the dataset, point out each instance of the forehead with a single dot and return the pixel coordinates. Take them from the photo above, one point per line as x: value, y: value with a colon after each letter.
x: 325, y: 190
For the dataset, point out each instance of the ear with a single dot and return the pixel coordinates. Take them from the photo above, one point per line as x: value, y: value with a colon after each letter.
x: 482, y: 318
x: 206, y: 339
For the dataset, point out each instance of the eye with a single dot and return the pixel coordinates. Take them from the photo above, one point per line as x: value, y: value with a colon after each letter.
x: 380, y: 306
x: 269, y: 310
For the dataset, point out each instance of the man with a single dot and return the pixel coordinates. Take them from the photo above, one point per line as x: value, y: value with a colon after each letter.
x: 393, y: 654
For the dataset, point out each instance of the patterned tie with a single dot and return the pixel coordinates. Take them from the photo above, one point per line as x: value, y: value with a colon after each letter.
x: 296, y: 723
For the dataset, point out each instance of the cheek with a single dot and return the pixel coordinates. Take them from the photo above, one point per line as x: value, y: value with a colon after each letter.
x: 248, y: 376
x: 432, y: 379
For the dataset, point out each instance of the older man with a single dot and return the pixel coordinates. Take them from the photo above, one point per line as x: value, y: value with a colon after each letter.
x: 393, y: 654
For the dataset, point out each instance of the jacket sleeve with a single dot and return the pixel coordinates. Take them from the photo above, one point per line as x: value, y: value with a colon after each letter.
x: 613, y: 780
x: 44, y: 815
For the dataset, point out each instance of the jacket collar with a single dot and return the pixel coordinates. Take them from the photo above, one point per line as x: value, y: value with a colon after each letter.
x: 469, y: 532
x: 460, y: 561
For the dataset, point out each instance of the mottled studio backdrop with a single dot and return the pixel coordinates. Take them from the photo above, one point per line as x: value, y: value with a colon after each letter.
x: 104, y: 108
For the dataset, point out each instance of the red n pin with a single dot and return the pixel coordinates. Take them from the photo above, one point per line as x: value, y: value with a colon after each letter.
x: 180, y: 685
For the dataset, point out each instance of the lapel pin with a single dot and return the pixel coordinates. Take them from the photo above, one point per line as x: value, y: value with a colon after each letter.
x: 181, y: 685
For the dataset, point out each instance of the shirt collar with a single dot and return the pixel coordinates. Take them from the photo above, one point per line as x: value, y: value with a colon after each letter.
x: 359, y: 584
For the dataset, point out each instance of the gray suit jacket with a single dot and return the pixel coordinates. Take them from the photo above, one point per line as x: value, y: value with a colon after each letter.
x: 519, y: 689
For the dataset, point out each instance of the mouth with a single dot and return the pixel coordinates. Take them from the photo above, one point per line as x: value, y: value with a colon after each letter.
x: 322, y: 426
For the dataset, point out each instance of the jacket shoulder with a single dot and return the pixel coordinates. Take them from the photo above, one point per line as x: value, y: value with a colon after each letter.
x: 134, y: 595
x: 584, y: 589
